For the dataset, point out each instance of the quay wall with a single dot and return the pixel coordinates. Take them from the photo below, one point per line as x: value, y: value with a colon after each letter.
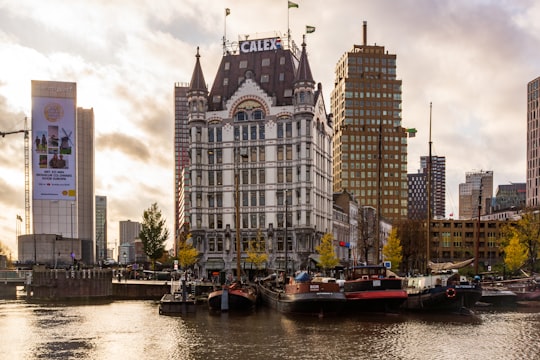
x: 60, y: 284
x: 139, y: 291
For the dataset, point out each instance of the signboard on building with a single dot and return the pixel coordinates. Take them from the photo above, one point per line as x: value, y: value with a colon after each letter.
x: 53, y: 135
x: 258, y: 45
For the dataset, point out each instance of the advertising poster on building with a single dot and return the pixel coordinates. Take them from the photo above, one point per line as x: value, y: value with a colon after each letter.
x: 53, y: 140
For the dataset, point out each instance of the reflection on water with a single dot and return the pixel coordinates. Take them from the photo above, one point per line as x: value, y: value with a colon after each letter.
x: 134, y: 329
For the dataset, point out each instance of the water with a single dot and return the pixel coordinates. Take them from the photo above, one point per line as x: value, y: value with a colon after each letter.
x: 135, y: 330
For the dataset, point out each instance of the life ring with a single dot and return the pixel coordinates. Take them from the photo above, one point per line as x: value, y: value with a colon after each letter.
x: 450, y: 293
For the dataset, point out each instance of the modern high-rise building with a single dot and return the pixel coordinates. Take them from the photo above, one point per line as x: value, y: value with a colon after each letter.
x: 181, y: 156
x: 101, y: 228
x: 370, y: 144
x: 417, y: 204
x: 62, y: 177
x: 509, y: 197
x: 260, y: 149
x: 474, y: 193
x: 533, y: 144
x: 86, y: 183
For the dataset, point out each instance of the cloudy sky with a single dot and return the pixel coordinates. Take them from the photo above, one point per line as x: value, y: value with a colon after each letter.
x: 471, y: 58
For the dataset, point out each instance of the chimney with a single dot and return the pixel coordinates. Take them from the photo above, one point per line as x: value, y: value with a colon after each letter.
x: 365, y: 33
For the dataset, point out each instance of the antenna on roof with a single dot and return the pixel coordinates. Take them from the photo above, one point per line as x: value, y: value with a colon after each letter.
x: 227, y: 13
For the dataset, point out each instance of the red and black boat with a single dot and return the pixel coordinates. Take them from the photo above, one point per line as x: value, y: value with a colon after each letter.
x: 373, y: 288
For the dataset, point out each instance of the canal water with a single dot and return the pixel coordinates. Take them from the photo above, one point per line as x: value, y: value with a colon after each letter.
x: 135, y: 330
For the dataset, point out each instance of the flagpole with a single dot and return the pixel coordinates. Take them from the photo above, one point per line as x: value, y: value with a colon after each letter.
x: 288, y: 27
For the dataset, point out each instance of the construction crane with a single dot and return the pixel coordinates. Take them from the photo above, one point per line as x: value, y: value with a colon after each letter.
x: 26, y: 171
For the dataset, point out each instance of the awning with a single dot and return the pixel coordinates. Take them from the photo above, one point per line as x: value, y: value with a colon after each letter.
x: 316, y: 258
x: 215, y: 264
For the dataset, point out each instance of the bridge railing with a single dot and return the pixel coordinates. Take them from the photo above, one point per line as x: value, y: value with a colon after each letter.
x: 16, y: 276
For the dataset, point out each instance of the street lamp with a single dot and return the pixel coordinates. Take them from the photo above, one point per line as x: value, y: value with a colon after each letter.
x: 71, y: 222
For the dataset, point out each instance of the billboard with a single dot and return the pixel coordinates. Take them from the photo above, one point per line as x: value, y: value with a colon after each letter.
x: 53, y: 140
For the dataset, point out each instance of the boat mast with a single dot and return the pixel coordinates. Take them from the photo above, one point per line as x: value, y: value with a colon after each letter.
x: 428, y: 182
x: 237, y: 209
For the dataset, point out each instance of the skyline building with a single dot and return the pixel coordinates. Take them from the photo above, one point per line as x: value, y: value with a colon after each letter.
x: 475, y: 194
x: 101, y: 229
x: 370, y: 144
x: 417, y: 203
x: 533, y: 144
x: 62, y: 164
x: 181, y: 157
x: 260, y: 148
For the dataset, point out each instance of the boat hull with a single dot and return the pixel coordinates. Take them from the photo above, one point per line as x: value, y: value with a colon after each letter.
x: 498, y: 297
x: 374, y: 295
x: 173, y: 304
x: 444, y: 298
x: 319, y: 299
x: 241, y: 299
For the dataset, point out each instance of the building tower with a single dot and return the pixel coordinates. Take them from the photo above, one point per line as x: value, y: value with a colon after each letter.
x: 370, y: 145
x: 85, y: 184
x: 475, y: 192
x: 533, y: 144
x: 264, y: 123
x: 181, y: 156
x: 101, y: 228
x: 418, y: 189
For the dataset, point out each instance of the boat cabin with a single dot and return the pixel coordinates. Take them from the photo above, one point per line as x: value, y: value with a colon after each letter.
x: 367, y: 272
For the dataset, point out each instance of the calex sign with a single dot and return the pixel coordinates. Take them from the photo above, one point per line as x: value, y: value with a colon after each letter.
x: 250, y: 46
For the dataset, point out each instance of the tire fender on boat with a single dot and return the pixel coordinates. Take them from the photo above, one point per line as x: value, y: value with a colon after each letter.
x: 450, y: 293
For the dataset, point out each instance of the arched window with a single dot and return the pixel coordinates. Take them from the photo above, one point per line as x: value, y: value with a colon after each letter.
x: 241, y: 116
x: 257, y: 114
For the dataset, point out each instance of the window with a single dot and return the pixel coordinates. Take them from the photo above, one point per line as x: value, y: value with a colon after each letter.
x: 288, y: 151
x: 280, y: 175
x: 211, y: 135
x: 265, y: 78
x: 261, y: 153
x: 258, y: 114
x: 253, y: 132
x: 280, y: 152
x: 218, y: 135
x: 262, y: 178
x: 227, y: 66
x: 288, y: 129
x: 243, y: 64
x: 261, y: 132
x: 245, y: 132
x: 211, y: 178
x: 265, y: 62
x: 280, y: 131
x: 261, y: 198
x: 241, y: 116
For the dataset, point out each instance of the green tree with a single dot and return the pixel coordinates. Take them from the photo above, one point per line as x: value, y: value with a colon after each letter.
x: 515, y: 254
x: 392, y: 251
x: 187, y: 254
x: 153, y: 233
x: 326, y: 250
x: 256, y: 253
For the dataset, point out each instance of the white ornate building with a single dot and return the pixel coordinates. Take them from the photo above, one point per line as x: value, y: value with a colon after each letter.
x: 263, y: 122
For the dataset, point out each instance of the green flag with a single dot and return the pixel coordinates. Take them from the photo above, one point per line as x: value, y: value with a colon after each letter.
x: 292, y: 5
x: 227, y: 12
x: 310, y: 29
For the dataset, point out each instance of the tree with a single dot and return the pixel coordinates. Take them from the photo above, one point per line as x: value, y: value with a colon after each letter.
x: 392, y: 251
x: 367, y: 220
x: 515, y: 254
x: 412, y: 238
x: 187, y: 254
x: 527, y: 232
x: 328, y: 258
x: 153, y: 233
x: 256, y: 253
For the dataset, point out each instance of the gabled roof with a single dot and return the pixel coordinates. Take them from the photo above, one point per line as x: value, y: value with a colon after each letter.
x: 273, y: 71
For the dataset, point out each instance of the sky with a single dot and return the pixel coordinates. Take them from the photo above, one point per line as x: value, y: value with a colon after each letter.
x: 472, y: 59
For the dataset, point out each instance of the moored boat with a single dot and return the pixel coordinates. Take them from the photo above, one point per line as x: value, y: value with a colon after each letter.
x: 320, y: 296
x: 234, y: 297
x: 497, y: 296
x: 441, y: 292
x: 373, y: 288
x: 178, y: 301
